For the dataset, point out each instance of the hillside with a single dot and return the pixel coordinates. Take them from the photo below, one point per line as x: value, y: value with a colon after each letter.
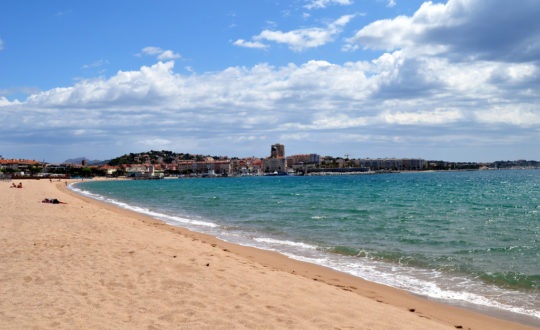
x: 155, y: 157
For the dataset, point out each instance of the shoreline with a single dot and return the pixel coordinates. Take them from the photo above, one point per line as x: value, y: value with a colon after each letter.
x: 316, y: 282
x: 175, y: 177
x: 298, y: 267
x: 493, y: 311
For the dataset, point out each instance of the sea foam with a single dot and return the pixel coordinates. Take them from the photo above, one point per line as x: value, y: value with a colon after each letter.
x: 171, y: 219
x: 460, y: 289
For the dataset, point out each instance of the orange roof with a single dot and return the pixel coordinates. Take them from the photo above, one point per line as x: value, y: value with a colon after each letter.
x: 18, y: 161
x: 109, y: 167
x: 214, y: 162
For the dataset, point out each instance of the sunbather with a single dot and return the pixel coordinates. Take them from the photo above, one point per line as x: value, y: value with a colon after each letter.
x: 52, y: 201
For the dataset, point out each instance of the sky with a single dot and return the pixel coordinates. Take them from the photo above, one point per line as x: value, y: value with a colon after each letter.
x: 455, y: 80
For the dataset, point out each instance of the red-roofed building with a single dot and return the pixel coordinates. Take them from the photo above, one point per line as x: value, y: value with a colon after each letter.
x: 246, y: 166
x: 217, y: 167
x: 305, y: 159
x: 19, y: 164
x: 109, y: 170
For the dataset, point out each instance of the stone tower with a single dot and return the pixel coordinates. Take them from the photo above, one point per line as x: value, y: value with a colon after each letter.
x: 277, y: 151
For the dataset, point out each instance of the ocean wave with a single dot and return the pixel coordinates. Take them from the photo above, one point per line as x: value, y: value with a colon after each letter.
x: 392, y: 269
x: 425, y: 282
x: 434, y: 284
x: 161, y: 216
x: 282, y: 242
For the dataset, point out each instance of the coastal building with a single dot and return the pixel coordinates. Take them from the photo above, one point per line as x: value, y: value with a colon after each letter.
x: 303, y: 159
x: 136, y: 168
x: 109, y: 170
x: 379, y: 164
x: 221, y: 167
x: 143, y: 170
x: 274, y: 165
x: 18, y: 164
x: 303, y: 163
x: 392, y: 164
x: 170, y: 167
x: 276, y: 162
x: 256, y: 167
x: 246, y: 166
x: 414, y: 164
x: 184, y: 166
x: 327, y: 171
x: 237, y: 165
x: 277, y: 151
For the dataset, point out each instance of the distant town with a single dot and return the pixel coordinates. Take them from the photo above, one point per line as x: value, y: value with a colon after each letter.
x: 162, y: 164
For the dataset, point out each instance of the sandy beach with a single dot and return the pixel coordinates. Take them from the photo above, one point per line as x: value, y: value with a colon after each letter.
x: 87, y: 264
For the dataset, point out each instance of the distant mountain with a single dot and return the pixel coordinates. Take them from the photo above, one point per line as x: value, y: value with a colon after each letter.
x: 79, y: 160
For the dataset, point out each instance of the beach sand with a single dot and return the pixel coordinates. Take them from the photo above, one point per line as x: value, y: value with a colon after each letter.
x: 87, y: 264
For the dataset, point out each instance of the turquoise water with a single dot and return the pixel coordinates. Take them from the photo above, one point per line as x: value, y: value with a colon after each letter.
x: 463, y: 237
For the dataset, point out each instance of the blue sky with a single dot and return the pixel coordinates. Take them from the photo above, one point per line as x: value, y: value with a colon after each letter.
x: 454, y: 80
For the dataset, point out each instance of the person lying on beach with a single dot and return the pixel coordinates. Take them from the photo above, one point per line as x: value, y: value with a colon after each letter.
x: 19, y: 185
x: 13, y: 185
x: 52, y: 201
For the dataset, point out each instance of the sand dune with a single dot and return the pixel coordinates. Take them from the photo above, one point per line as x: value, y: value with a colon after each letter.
x: 86, y: 264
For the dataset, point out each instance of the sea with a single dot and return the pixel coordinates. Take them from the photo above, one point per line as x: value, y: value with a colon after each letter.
x: 468, y: 238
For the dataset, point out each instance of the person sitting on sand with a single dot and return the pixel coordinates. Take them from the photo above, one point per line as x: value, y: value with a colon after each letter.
x: 19, y: 185
x: 52, y: 201
x: 13, y: 185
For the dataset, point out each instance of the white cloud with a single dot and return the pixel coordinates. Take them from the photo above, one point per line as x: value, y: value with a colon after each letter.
x: 455, y: 76
x: 95, y: 64
x: 402, y: 31
x: 249, y: 44
x: 160, y: 54
x: 22, y: 90
x: 338, y: 121
x: 167, y: 55
x: 125, y: 87
x: 316, y: 4
x: 315, y: 95
x: 4, y: 102
x: 1, y: 44
x: 294, y: 137
x: 349, y: 47
x: 155, y: 143
x: 463, y: 30
x: 436, y: 117
x: 518, y: 115
x: 391, y: 3
x: 301, y: 39
x: 152, y: 50
x: 395, y: 96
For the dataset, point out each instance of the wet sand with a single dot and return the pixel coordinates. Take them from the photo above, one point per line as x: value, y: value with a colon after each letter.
x: 87, y: 264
